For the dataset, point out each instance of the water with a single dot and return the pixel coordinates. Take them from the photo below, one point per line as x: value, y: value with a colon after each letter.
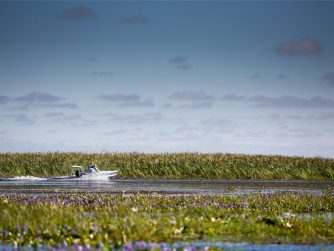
x: 196, y: 245
x: 225, y: 187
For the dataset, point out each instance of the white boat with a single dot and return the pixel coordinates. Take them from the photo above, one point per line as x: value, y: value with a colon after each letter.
x: 96, y: 175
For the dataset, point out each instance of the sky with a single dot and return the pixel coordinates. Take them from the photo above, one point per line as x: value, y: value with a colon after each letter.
x: 253, y: 77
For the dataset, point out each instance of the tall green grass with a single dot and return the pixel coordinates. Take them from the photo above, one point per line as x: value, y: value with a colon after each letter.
x: 171, y: 165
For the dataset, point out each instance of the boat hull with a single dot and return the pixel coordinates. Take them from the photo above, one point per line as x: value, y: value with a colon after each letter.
x: 94, y: 175
x: 99, y: 175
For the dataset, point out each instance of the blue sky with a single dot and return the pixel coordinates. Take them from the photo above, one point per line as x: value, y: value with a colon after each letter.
x: 167, y: 76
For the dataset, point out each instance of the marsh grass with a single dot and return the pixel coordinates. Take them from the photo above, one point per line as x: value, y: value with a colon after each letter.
x: 114, y: 220
x: 171, y: 165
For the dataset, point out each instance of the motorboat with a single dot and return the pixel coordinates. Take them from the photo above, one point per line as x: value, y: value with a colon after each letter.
x: 79, y: 173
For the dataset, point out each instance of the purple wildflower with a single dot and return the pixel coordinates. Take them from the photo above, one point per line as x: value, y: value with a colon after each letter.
x: 76, y: 246
x: 94, y: 226
x: 86, y: 247
x: 99, y: 246
x: 128, y: 247
x: 165, y: 247
x: 140, y: 245
x: 57, y: 201
x: 189, y: 248
x: 152, y: 246
x: 5, y: 233
x: 63, y: 245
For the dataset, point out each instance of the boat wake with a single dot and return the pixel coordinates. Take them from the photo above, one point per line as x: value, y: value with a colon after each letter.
x: 16, y: 178
x: 98, y: 176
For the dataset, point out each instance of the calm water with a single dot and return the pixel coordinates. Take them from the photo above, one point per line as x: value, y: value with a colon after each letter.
x: 194, y: 246
x: 228, y: 187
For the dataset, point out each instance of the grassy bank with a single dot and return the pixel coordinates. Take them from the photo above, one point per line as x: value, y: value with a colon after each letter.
x: 115, y: 220
x: 172, y: 166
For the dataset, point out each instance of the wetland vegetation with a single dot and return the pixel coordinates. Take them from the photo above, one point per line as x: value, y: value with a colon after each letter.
x: 171, y: 165
x: 99, y: 220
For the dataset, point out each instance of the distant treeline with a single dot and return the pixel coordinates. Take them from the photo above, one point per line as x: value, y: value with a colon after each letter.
x: 171, y: 165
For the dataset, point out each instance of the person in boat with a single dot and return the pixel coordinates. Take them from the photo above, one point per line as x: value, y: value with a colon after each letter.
x: 93, y: 168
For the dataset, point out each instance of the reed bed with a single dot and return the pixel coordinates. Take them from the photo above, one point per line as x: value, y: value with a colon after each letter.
x: 171, y: 165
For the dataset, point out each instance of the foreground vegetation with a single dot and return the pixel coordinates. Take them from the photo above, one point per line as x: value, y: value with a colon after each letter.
x: 109, y: 221
x: 171, y: 166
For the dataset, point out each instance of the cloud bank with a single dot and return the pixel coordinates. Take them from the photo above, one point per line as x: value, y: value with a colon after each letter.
x: 291, y: 102
x: 36, y: 99
x: 200, y: 99
x: 127, y: 100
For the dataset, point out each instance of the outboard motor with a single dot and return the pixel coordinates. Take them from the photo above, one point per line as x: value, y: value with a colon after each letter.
x: 77, y: 173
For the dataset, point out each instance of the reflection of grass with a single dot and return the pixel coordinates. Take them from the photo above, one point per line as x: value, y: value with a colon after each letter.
x: 113, y: 220
x: 174, y: 166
